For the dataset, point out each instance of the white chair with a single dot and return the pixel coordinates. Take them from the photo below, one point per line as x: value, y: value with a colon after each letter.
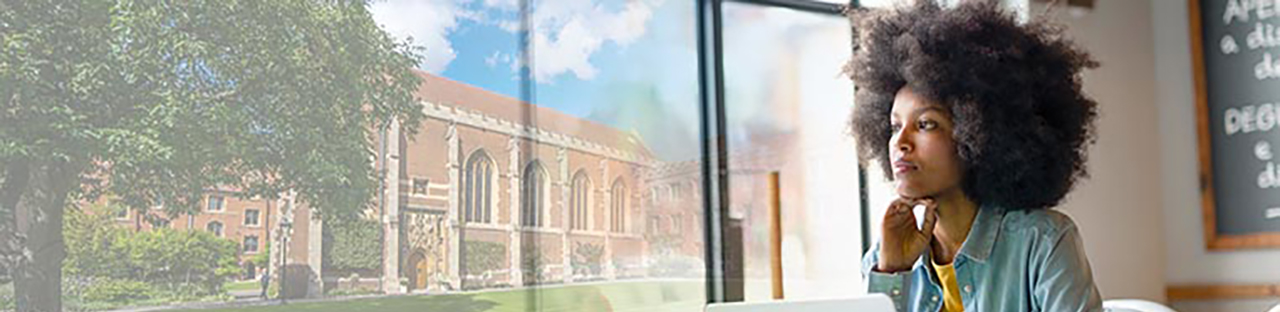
x: 1134, y: 305
x: 866, y: 303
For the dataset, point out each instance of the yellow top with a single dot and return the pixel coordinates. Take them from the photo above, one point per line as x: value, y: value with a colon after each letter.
x: 950, y: 288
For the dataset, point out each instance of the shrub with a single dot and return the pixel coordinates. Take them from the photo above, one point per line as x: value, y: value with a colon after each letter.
x: 482, y: 257
x: 531, y: 266
x: 170, y: 263
x: 353, y: 244
x: 587, y: 259
x: 118, y: 290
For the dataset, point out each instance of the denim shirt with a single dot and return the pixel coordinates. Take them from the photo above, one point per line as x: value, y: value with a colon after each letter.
x: 1012, y: 261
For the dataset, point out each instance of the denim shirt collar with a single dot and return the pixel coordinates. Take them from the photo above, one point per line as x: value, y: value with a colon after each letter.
x: 982, y: 235
x: 980, y: 242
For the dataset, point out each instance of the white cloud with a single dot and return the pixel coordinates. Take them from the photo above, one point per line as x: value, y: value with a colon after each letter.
x: 427, y: 22
x: 507, y: 5
x: 499, y: 58
x: 568, y: 32
x: 568, y: 49
x: 492, y: 60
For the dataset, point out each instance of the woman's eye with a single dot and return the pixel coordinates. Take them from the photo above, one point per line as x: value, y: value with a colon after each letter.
x: 895, y: 127
x: 927, y: 124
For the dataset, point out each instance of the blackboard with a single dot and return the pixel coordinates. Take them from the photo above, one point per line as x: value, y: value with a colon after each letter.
x: 1236, y: 56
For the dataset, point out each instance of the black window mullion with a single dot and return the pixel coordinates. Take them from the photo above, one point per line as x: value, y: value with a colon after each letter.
x: 713, y: 133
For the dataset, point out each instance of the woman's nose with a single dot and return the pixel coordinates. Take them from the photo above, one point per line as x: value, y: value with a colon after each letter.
x: 902, y: 143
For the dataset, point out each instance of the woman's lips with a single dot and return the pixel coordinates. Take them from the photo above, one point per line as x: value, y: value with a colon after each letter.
x: 903, y: 167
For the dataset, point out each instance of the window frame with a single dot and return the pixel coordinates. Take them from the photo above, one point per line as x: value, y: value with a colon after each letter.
x: 534, y: 195
x: 257, y: 218
x: 713, y: 121
x: 618, y: 194
x: 244, y: 244
x: 222, y: 203
x: 483, y: 212
x: 420, y: 187
x: 581, y: 201
x: 221, y: 228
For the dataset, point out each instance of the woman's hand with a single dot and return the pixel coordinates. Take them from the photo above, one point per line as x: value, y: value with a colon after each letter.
x: 901, y: 242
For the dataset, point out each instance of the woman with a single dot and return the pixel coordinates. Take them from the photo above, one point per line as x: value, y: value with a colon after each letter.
x: 982, y: 121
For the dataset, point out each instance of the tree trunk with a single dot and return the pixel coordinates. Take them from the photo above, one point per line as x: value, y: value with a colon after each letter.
x: 38, y: 275
x: 16, y: 175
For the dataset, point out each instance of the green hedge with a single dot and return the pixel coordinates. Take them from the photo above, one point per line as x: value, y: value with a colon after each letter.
x: 482, y: 256
x: 353, y: 244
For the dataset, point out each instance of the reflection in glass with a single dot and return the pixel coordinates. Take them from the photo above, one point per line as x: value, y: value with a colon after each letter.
x: 787, y: 108
x: 545, y: 174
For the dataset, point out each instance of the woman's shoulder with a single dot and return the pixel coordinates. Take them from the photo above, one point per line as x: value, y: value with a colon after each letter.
x: 1042, y: 222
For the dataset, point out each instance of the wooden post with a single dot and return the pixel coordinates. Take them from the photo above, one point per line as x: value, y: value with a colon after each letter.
x: 775, y: 234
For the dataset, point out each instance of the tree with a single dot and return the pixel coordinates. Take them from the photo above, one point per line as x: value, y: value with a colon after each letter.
x: 154, y: 100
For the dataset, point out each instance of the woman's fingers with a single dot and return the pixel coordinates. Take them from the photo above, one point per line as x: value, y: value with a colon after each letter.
x: 930, y: 218
x: 899, y: 214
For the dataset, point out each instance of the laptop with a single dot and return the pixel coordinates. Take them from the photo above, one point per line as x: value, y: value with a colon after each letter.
x: 867, y: 303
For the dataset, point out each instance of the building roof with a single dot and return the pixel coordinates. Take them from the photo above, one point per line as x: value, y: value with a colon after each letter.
x: 443, y: 91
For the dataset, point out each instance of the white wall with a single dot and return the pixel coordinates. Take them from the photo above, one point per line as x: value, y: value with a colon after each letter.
x: 1118, y: 209
x: 1187, y: 260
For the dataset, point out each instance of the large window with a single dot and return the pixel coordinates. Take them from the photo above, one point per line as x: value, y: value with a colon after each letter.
x: 618, y: 206
x: 580, y: 202
x: 533, y: 194
x: 478, y: 188
x: 575, y: 143
x: 790, y: 157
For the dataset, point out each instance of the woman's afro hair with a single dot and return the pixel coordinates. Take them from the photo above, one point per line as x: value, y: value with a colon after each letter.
x: 1022, y: 122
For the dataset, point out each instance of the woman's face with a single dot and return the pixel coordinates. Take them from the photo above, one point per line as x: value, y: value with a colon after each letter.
x: 922, y: 152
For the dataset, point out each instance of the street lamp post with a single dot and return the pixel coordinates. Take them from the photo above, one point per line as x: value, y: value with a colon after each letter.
x: 285, y: 230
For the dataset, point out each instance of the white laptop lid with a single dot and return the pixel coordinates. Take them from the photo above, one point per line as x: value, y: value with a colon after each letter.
x: 867, y: 303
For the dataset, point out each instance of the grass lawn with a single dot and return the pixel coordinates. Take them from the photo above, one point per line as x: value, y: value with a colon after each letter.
x: 627, y: 296
x: 243, y: 285
x: 6, y: 297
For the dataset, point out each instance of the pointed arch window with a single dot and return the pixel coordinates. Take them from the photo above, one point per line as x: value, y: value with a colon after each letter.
x: 533, y: 195
x: 478, y: 186
x: 580, y: 201
x: 618, y: 206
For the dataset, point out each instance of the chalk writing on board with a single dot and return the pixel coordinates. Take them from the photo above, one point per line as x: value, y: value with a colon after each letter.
x: 1255, y: 23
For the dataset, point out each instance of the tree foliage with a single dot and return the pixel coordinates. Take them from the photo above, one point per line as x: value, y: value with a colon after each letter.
x: 157, y: 100
x: 168, y: 98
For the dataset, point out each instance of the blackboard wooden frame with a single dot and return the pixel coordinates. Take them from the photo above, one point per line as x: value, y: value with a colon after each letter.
x: 1213, y: 240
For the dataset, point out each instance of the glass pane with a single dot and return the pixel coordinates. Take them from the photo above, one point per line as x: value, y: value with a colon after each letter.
x: 787, y: 108
x: 580, y: 139
x: 616, y: 118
